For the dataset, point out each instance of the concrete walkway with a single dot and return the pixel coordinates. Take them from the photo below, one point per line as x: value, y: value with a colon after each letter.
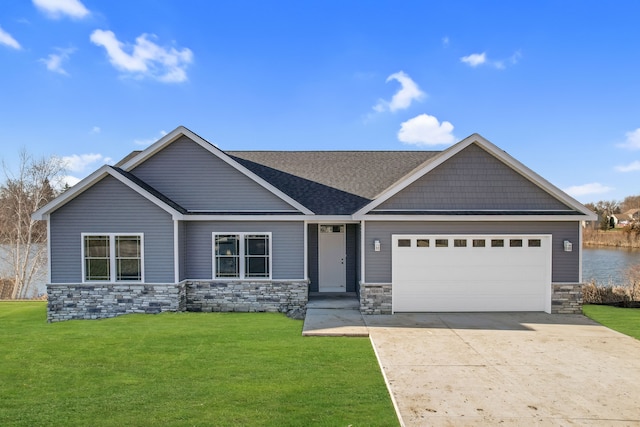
x: 334, y: 315
x: 513, y: 369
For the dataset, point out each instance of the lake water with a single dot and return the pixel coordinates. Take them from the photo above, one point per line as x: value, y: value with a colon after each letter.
x: 608, y: 265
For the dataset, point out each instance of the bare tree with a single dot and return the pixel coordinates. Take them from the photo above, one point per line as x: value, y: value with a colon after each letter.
x: 24, y: 239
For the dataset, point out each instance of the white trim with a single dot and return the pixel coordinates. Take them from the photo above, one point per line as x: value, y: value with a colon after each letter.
x: 580, y: 252
x: 48, y: 249
x: 314, y: 218
x: 112, y: 258
x: 241, y: 255
x: 183, y: 131
x: 434, y: 162
x: 305, y: 237
x: 473, y: 218
x: 89, y: 182
x: 176, y: 252
x: 362, y: 251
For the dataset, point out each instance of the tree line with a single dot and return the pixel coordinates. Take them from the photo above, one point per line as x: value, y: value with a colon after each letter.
x: 607, y: 208
x: 23, y: 251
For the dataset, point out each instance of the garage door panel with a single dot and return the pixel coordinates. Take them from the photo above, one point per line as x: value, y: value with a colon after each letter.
x: 471, y: 278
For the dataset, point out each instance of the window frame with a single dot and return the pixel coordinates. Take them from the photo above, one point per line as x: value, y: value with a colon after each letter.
x: 242, y: 255
x: 113, y: 259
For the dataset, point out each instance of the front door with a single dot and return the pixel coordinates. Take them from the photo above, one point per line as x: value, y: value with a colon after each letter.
x: 332, y: 258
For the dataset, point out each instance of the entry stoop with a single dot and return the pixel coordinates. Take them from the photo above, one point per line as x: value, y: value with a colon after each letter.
x: 334, y: 315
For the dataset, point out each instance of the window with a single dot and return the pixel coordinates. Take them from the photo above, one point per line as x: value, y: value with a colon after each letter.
x: 515, y: 243
x: 404, y: 243
x: 242, y: 255
x: 442, y: 243
x: 459, y: 243
x: 535, y: 243
x: 112, y: 257
x: 422, y: 243
x: 497, y: 243
x: 479, y: 243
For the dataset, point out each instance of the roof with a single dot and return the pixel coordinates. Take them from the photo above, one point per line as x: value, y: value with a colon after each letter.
x: 362, y: 173
x: 350, y: 183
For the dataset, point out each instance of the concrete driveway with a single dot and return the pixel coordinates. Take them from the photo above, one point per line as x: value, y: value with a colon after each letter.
x: 515, y: 369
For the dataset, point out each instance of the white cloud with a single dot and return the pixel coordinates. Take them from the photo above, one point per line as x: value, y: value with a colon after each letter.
x: 94, y: 130
x: 631, y: 167
x: 426, y: 130
x: 474, y: 59
x: 445, y: 41
x: 145, y: 58
x: 69, y: 180
x: 587, y: 189
x: 149, y: 141
x: 633, y: 140
x: 80, y: 162
x: 409, y: 92
x: 7, y: 40
x: 58, y: 8
x: 54, y: 60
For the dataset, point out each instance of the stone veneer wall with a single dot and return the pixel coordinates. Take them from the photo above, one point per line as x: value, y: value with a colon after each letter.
x: 375, y: 299
x: 255, y: 296
x: 99, y: 301
x: 566, y: 299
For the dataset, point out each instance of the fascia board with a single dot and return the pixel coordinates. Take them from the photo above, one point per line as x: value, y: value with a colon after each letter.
x: 495, y: 151
x: 268, y: 218
x: 472, y: 218
x: 535, y: 178
x: 183, y: 131
x: 89, y: 182
x: 414, y: 175
x: 71, y: 193
x: 144, y: 193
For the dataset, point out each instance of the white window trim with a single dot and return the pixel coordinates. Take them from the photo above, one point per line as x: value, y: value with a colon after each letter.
x: 112, y: 257
x: 241, y: 257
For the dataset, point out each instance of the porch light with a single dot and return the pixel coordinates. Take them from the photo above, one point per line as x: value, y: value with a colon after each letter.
x: 376, y: 245
x: 568, y: 246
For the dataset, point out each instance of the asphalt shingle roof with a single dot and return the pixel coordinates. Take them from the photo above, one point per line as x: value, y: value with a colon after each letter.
x: 362, y: 173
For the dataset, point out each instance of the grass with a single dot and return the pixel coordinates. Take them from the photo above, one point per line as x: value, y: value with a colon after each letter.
x: 624, y: 320
x: 183, y: 369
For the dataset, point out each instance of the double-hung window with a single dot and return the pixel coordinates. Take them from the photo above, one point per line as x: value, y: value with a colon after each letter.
x: 112, y: 257
x: 242, y: 255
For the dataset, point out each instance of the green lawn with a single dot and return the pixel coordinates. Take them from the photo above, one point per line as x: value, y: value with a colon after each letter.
x: 183, y: 369
x: 625, y: 320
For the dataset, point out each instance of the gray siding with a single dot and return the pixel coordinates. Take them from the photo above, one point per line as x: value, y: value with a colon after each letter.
x: 110, y: 207
x: 197, y: 180
x: 473, y: 179
x: 565, y: 265
x: 287, y: 245
x: 352, y: 258
x: 312, y: 256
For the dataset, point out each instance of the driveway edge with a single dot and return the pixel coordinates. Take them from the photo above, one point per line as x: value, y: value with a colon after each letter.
x: 386, y: 381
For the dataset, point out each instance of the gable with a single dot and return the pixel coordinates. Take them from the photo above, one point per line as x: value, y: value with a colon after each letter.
x: 473, y: 179
x: 198, y: 180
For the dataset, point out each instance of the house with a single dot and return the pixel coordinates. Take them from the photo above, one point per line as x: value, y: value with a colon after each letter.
x: 184, y: 225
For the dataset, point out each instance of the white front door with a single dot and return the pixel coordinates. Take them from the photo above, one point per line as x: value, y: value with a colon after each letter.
x: 332, y: 258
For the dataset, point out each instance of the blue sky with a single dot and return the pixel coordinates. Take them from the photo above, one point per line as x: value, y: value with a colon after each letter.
x: 554, y: 83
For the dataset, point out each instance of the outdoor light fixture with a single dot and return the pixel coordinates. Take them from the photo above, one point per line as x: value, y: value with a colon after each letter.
x: 376, y: 245
x: 568, y: 246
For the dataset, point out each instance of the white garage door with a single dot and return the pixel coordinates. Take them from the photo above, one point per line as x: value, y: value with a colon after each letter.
x: 471, y: 273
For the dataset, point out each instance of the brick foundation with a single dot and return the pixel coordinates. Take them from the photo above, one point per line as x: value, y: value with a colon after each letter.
x: 375, y: 299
